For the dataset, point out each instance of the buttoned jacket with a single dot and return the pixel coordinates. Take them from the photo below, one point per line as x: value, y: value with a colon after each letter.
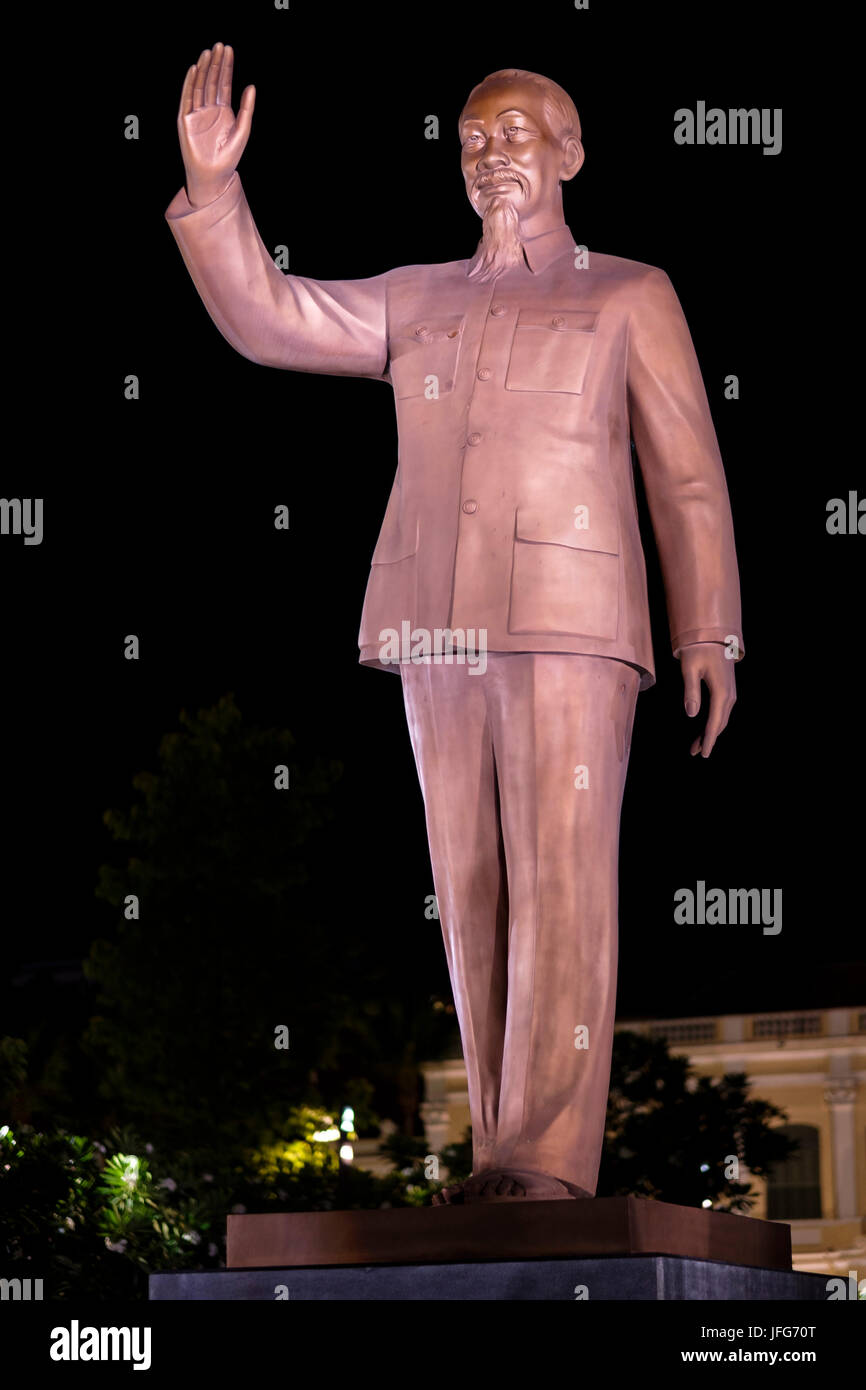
x: 513, y: 510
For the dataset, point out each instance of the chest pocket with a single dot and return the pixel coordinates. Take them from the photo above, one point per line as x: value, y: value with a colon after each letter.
x: 424, y: 356
x: 551, y: 349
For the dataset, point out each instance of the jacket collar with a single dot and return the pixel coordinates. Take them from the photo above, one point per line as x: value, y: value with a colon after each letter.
x: 541, y: 251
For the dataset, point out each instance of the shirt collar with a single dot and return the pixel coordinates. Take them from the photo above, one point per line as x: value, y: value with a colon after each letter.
x: 540, y: 251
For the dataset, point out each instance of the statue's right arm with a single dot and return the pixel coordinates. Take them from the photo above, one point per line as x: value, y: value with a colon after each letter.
x: 338, y: 327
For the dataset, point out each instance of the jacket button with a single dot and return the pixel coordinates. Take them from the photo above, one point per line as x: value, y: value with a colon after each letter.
x: 484, y: 374
x: 558, y: 322
x: 454, y: 332
x: 420, y: 330
x: 474, y: 438
x: 498, y: 309
x: 470, y: 506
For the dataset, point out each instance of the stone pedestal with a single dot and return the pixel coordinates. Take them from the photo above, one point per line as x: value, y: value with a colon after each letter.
x: 635, y: 1278
x: 616, y: 1248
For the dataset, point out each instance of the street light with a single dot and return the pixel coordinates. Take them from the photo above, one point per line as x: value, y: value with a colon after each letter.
x: 347, y: 1125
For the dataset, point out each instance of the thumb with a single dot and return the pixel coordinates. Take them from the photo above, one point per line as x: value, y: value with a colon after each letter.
x: 244, y: 120
x: 692, y: 683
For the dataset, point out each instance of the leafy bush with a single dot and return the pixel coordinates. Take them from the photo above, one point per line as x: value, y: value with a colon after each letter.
x: 93, y: 1218
x: 90, y: 1219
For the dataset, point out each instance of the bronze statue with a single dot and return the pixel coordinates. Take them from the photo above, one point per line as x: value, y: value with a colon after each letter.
x: 508, y: 584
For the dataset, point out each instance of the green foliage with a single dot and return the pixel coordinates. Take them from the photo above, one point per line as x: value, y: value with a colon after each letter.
x: 93, y: 1219
x: 89, y: 1218
x: 410, y: 1157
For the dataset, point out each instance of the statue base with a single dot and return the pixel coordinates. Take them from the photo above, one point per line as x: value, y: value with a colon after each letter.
x: 518, y: 1230
x: 612, y: 1248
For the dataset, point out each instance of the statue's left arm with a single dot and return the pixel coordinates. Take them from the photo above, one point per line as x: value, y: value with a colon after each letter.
x: 688, y: 499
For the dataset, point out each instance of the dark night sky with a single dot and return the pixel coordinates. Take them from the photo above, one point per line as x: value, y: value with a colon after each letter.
x: 158, y: 513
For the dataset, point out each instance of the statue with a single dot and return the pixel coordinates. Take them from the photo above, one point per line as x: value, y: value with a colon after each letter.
x: 507, y: 587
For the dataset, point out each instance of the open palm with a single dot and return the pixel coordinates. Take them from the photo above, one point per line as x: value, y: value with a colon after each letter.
x: 212, y: 138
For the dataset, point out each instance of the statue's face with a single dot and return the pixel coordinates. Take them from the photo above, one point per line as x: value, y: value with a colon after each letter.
x: 508, y: 150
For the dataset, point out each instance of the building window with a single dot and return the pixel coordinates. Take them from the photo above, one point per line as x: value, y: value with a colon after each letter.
x: 788, y: 1026
x: 794, y: 1188
x: 699, y: 1030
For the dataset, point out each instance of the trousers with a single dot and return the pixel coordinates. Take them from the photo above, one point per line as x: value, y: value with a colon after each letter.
x: 522, y: 769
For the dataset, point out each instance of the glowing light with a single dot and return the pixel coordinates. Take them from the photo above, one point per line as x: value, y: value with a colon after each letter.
x: 705, y: 1167
x: 347, y: 1153
x: 347, y: 1120
x: 131, y: 1167
x: 324, y: 1136
x: 706, y: 1202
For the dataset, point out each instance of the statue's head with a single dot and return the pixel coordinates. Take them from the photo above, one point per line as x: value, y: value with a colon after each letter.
x: 520, y: 141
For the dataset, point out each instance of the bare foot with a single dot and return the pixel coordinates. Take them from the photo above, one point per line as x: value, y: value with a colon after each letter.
x: 510, y: 1184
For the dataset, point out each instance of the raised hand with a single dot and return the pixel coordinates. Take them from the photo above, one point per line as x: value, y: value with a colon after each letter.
x: 212, y: 139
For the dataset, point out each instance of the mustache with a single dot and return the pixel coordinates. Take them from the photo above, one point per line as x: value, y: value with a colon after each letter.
x: 499, y: 176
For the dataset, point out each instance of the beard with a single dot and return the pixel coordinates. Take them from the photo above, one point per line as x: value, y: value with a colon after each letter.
x: 500, y: 247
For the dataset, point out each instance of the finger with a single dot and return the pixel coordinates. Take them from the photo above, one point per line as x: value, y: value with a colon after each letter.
x: 213, y: 75
x: 200, y: 76
x: 244, y: 121
x: 692, y: 691
x: 186, y: 94
x: 717, y: 720
x: 224, y: 94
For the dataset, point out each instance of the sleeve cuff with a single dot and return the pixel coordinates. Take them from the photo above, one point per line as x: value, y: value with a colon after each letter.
x: 726, y: 636
x: 180, y: 205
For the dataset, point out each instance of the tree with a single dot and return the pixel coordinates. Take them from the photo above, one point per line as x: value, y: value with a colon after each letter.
x: 674, y: 1136
x: 237, y: 934
x: 226, y: 946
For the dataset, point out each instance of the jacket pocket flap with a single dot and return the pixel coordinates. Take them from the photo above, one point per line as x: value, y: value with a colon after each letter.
x: 431, y: 330
x: 586, y: 521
